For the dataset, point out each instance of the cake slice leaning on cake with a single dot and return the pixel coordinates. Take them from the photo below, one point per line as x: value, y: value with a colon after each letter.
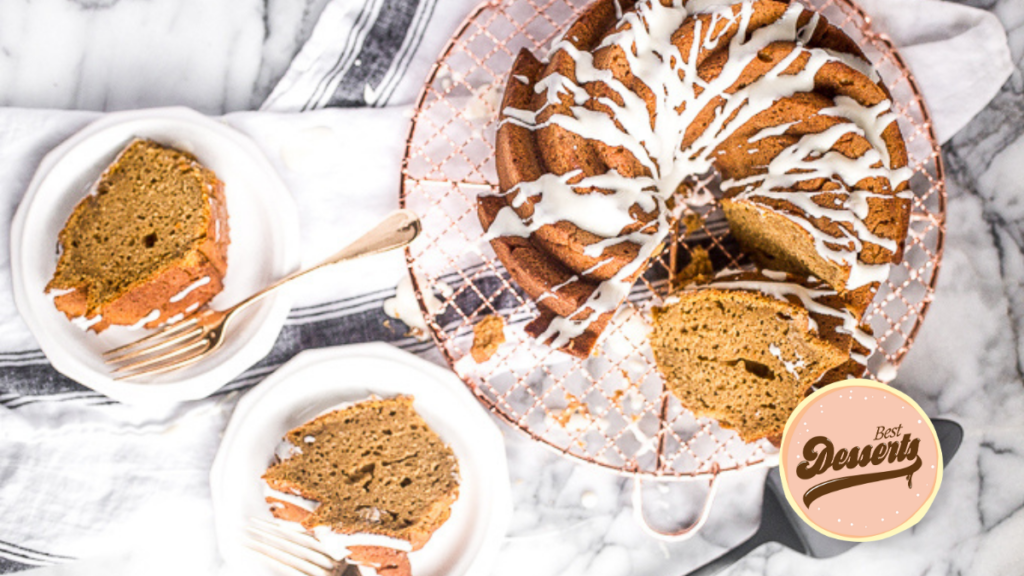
x: 371, y: 481
x: 745, y: 348
x: 147, y: 245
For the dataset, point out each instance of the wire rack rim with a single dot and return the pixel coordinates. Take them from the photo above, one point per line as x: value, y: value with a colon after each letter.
x: 759, y: 458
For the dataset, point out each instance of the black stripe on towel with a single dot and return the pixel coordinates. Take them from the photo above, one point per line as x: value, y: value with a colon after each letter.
x: 405, y: 58
x: 378, y: 54
x: 8, y: 566
x: 344, y: 58
x: 362, y: 323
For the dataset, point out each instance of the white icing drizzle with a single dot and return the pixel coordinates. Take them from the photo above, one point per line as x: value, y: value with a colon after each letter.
x: 293, y: 499
x: 644, y: 35
x: 197, y: 284
x: 886, y: 372
x: 153, y: 315
x: 791, y: 367
x: 771, y: 131
x: 335, y: 544
x: 558, y: 287
x: 58, y: 292
x: 86, y: 323
x: 595, y: 267
x: 286, y: 450
x: 404, y: 306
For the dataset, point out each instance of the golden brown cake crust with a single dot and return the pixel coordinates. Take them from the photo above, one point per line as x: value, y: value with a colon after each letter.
x: 177, y: 286
x: 385, y: 561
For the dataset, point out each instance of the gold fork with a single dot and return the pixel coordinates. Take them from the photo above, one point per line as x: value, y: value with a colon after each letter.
x: 296, y: 552
x: 197, y: 335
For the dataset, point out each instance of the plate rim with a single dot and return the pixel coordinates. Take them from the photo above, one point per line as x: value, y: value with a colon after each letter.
x: 205, y: 383
x: 500, y: 503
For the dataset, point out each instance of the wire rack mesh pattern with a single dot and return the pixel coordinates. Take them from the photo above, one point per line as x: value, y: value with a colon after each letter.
x: 610, y: 409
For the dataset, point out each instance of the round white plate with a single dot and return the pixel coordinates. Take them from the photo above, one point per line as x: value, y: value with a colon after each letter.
x: 264, y: 247
x: 318, y: 380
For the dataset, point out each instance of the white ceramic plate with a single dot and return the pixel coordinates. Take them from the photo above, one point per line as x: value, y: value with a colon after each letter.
x: 264, y: 247
x: 318, y: 380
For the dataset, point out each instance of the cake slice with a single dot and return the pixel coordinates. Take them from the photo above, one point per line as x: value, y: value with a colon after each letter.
x: 147, y: 245
x: 745, y: 348
x: 373, y: 477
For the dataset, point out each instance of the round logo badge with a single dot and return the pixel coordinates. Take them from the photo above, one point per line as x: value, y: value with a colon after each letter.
x: 860, y: 461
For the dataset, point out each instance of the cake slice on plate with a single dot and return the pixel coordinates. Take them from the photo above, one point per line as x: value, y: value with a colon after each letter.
x: 148, y: 245
x: 371, y: 481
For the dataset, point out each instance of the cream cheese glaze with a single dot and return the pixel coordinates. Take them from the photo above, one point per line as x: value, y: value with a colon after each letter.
x: 188, y: 289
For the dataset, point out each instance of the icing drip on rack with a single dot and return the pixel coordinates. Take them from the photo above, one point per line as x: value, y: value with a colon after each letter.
x: 644, y: 35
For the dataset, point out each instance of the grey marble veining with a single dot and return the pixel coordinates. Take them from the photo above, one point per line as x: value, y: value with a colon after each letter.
x: 967, y: 364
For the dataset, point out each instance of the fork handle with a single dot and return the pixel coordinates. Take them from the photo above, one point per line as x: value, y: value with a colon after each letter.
x: 395, y: 231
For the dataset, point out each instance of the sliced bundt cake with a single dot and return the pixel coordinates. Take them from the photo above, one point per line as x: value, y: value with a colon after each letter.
x: 745, y: 348
x: 596, y: 142
x: 149, y: 242
x: 373, y: 469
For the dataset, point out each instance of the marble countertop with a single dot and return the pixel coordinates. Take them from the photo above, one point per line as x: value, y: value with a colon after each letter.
x: 967, y: 364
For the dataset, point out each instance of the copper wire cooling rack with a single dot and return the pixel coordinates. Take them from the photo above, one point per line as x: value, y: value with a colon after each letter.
x: 610, y: 409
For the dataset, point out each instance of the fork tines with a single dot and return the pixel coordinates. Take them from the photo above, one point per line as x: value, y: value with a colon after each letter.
x: 290, y: 549
x: 172, y: 347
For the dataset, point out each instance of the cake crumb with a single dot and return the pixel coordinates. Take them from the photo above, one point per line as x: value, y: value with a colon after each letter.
x: 488, y: 335
x: 698, y: 271
x: 574, y: 417
x: 618, y: 394
x: 692, y: 222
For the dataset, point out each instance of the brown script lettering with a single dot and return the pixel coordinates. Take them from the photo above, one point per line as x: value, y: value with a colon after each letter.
x: 819, y: 461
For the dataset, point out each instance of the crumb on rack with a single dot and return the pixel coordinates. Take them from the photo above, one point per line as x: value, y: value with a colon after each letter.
x: 699, y: 269
x: 574, y: 407
x: 691, y: 222
x: 488, y: 335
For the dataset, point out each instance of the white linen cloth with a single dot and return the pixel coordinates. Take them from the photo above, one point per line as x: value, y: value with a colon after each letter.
x: 81, y: 477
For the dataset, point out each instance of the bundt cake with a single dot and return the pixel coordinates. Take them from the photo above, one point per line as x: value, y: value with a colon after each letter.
x: 147, y: 245
x: 746, y: 347
x: 372, y: 476
x: 596, y: 143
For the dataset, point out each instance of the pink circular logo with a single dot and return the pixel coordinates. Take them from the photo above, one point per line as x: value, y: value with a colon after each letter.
x: 860, y: 461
